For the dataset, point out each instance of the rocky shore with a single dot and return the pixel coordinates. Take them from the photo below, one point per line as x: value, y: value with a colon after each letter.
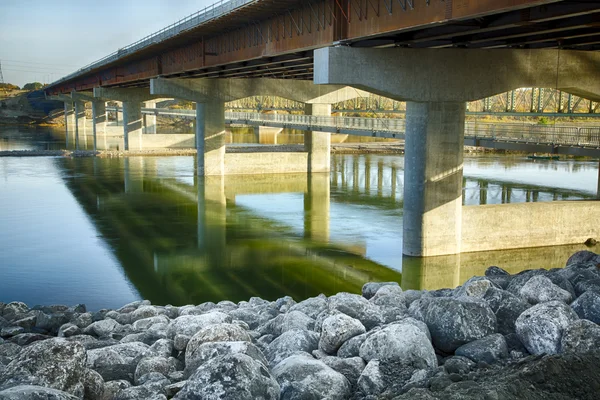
x: 533, y: 335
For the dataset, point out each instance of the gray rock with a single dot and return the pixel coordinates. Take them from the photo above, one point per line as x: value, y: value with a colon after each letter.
x: 312, y: 307
x: 189, y: 325
x: 351, y: 348
x: 588, y: 306
x: 583, y: 257
x: 13, y: 309
x: 296, y: 320
x: 9, y: 350
x: 474, y: 287
x: 411, y: 296
x: 233, y: 376
x: 93, y: 384
x: 145, y: 392
x: 520, y: 279
x: 216, y: 333
x: 11, y: 331
x: 369, y: 289
x: 82, y: 320
x: 302, y: 377
x: 371, y: 381
x: 54, y: 363
x: 541, y: 327
x: 26, y: 323
x: 154, y: 378
x: 540, y: 289
x: 30, y: 392
x: 284, y: 304
x: 127, y: 352
x: 351, y: 367
x: 272, y: 327
x: 254, y: 317
x: 452, y: 322
x: 68, y: 330
x: 51, y: 322
x: 145, y: 323
x: 337, y: 329
x: 210, y: 350
x: 162, y: 348
x: 490, y: 349
x: 356, y: 307
x: 495, y: 271
x: 581, y: 336
x: 151, y: 364
x: 401, y: 343
x: 458, y: 365
x: 144, y: 312
x: 507, y: 307
x: 24, y: 339
x: 290, y: 342
x: 113, y: 387
x: 180, y: 342
x: 102, y: 328
x: 174, y: 388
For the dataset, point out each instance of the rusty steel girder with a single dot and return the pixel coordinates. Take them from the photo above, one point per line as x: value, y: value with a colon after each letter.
x: 311, y: 24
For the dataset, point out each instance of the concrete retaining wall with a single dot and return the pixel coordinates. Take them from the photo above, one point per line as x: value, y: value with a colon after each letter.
x: 171, y: 141
x: 513, y: 226
x: 265, y: 163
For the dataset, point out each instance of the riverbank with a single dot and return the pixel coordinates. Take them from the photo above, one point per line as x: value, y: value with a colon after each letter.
x: 533, y: 335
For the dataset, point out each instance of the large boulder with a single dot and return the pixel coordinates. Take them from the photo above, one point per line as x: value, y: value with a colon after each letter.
x: 289, y: 343
x: 217, y: 333
x: 189, y: 325
x: 152, y: 364
x: 541, y: 327
x: 210, y: 350
x: 102, y: 328
x: 581, y: 336
x: 452, y: 322
x: 296, y: 320
x: 540, y: 289
x: 351, y: 367
x: 233, y: 376
x: 53, y: 363
x: 490, y: 349
x: 303, y: 377
x: 312, y: 306
x: 583, y: 256
x: 507, y: 307
x: 370, y: 288
x: 29, y: 392
x: 588, y: 306
x: 401, y: 343
x: 337, y: 329
x: 357, y: 307
x: 117, y: 362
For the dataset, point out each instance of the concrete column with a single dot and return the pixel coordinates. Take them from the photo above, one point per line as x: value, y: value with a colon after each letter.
x: 79, y: 121
x: 69, y: 120
x: 132, y: 124
x: 99, y: 119
x: 318, y: 144
x: 210, y: 138
x: 433, y: 178
x: 598, y: 190
x: 149, y: 119
x: 212, y: 219
x: 316, y: 207
x: 266, y: 134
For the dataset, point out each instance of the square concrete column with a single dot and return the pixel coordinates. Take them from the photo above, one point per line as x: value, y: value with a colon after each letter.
x: 210, y: 138
x: 149, y: 119
x: 80, y: 121
x: 132, y: 124
x: 433, y: 172
x: 212, y: 219
x: 316, y: 207
x: 318, y: 144
x: 69, y: 120
x: 99, y: 119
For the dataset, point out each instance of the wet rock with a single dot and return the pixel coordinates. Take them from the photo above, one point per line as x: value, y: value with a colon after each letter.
x: 30, y: 392
x: 312, y: 307
x: 541, y: 327
x: 54, y: 363
x: 581, y: 336
x: 453, y: 323
x: 357, y: 307
x: 490, y: 349
x: 507, y: 307
x: 351, y: 367
x: 188, y: 325
x: 303, y: 377
x: 369, y: 289
x: 540, y: 289
x: 588, y: 306
x: 401, y: 343
x: 458, y: 365
x: 210, y: 350
x: 337, y: 329
x: 290, y: 342
x: 233, y: 376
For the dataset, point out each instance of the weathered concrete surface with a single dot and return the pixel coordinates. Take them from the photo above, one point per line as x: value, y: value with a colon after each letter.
x: 265, y: 163
x: 318, y: 144
x: 433, y: 178
x: 266, y: 134
x: 457, y: 74
x: 210, y: 138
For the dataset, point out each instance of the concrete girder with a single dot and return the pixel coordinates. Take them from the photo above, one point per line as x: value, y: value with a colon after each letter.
x: 225, y: 90
x: 457, y: 75
x: 124, y: 95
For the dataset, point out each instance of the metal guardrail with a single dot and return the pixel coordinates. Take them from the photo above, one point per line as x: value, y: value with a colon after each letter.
x: 395, y: 127
x: 215, y: 10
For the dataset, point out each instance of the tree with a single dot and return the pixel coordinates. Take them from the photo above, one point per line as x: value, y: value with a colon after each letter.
x: 8, y: 86
x: 33, y: 86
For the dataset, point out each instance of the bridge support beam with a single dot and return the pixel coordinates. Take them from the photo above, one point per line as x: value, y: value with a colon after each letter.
x: 318, y: 144
x: 99, y: 119
x: 316, y: 207
x: 80, y: 121
x: 149, y: 120
x: 433, y: 172
x: 210, y: 138
x: 69, y: 120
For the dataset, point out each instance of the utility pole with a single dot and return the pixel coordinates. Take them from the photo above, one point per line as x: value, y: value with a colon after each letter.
x: 1, y: 77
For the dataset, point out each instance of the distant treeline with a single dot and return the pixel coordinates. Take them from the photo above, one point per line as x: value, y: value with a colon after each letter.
x: 28, y: 86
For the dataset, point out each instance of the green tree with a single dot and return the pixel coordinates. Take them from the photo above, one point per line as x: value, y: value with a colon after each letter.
x: 33, y: 86
x: 8, y: 86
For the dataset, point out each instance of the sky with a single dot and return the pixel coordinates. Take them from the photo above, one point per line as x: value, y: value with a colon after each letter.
x: 44, y: 40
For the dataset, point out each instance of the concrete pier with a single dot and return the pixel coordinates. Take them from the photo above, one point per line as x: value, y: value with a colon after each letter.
x: 80, y: 121
x: 132, y: 124
x: 149, y: 120
x: 99, y: 119
x: 210, y: 138
x: 318, y: 144
x: 69, y: 119
x: 316, y: 207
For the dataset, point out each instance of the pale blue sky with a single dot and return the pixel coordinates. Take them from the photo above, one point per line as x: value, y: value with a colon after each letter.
x: 43, y: 40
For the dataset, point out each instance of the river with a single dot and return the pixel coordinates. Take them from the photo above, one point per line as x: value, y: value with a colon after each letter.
x: 107, y: 231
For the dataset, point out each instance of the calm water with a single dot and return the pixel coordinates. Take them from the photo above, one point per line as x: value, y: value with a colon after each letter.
x: 108, y: 231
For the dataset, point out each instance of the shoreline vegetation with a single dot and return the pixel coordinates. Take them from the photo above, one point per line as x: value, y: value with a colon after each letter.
x: 532, y: 335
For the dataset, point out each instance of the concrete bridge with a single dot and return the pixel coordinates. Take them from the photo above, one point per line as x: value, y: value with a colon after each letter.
x: 435, y: 55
